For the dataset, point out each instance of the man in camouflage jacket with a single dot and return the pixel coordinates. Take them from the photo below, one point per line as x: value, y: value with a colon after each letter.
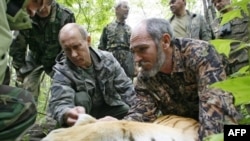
x: 115, y: 38
x: 41, y: 45
x: 17, y: 106
x: 236, y: 29
x: 87, y: 80
x: 187, y: 24
x: 175, y: 77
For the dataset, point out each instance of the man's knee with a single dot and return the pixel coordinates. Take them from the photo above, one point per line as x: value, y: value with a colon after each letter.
x: 120, y: 111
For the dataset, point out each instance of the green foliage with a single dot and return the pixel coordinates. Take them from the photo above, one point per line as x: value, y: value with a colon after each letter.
x: 243, y: 5
x: 43, y: 98
x: 237, y: 83
x: 230, y: 16
x: 215, y: 137
x: 92, y: 14
x: 242, y: 70
x: 239, y: 7
x: 222, y: 45
x: 239, y: 86
x: 245, y: 111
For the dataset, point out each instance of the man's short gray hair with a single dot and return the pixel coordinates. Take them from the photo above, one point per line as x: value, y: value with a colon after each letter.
x: 120, y: 2
x: 156, y: 27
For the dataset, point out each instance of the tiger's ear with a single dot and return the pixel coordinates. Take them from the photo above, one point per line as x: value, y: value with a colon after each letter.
x: 84, y: 119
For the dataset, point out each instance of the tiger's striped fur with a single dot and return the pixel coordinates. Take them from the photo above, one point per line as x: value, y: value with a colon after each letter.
x: 186, y: 125
x: 88, y: 128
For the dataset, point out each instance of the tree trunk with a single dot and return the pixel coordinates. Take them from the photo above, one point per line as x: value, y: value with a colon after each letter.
x: 209, y: 11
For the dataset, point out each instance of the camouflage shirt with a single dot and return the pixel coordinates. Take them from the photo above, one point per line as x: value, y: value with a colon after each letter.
x: 197, y: 27
x: 69, y: 81
x: 195, y: 65
x: 42, y: 39
x: 115, y: 35
x: 236, y: 29
x: 185, y: 92
x: 115, y: 38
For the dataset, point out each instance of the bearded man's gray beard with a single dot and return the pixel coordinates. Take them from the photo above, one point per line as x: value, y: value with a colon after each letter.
x: 156, y: 68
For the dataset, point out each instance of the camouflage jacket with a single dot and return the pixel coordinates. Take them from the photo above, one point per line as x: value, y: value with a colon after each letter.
x: 195, y: 65
x: 14, y: 16
x: 68, y: 81
x: 114, y: 35
x: 42, y: 39
x: 236, y: 29
x: 197, y: 28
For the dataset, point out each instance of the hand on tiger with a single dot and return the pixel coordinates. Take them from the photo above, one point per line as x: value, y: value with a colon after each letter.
x: 107, y: 118
x: 72, y: 115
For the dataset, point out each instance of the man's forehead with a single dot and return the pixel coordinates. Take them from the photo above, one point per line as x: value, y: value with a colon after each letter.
x: 173, y: 1
x: 38, y: 1
x: 216, y: 1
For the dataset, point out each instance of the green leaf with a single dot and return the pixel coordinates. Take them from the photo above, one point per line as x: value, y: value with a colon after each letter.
x: 222, y: 45
x: 244, y: 121
x: 243, y: 4
x: 244, y: 70
x: 230, y: 16
x: 239, y: 87
x: 215, y: 137
x: 241, y: 46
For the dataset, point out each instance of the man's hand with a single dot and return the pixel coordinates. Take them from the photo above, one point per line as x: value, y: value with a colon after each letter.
x: 72, y: 115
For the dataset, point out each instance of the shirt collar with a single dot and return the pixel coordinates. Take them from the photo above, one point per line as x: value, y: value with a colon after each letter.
x: 178, y: 65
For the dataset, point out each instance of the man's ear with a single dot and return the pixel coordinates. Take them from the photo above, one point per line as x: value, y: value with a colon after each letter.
x: 165, y: 41
x: 89, y: 40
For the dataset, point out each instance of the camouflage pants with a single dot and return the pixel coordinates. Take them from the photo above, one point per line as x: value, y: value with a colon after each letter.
x: 216, y: 109
x: 125, y: 58
x: 83, y: 99
x: 32, y: 80
x: 17, y: 112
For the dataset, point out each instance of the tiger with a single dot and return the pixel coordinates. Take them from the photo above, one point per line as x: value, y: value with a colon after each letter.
x: 87, y: 128
x: 185, y: 124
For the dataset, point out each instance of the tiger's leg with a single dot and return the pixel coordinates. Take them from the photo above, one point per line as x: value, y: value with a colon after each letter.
x: 17, y: 112
x: 216, y: 108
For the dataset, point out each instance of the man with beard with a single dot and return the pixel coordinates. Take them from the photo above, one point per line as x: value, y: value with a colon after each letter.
x: 188, y: 24
x: 115, y: 38
x: 175, y: 76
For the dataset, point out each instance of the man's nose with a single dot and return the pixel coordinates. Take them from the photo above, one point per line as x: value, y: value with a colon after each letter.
x: 31, y: 12
x: 137, y: 58
x: 73, y: 53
